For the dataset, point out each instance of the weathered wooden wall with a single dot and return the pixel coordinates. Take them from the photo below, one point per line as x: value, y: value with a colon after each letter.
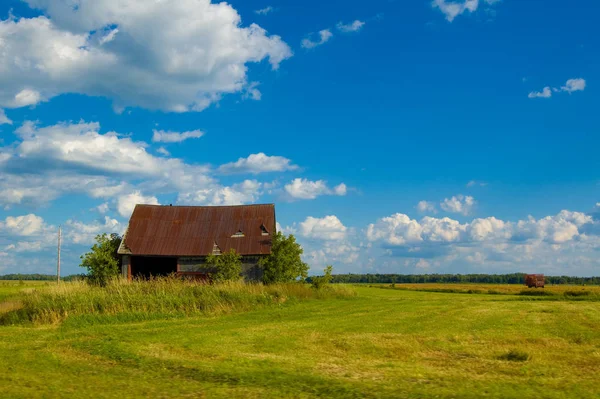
x: 250, y: 269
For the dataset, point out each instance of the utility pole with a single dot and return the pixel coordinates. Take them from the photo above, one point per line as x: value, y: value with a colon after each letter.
x: 58, y: 260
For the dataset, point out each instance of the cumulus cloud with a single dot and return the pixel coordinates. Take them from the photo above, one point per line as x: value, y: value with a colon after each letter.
x: 574, y: 85
x: 400, y: 230
x: 26, y: 233
x: 571, y: 86
x: 112, y: 48
x: 307, y: 189
x: 341, y: 190
x: 4, y: 119
x: 161, y: 136
x: 545, y: 93
x: 126, y: 203
x: 258, y: 163
x: 453, y: 9
x: 76, y: 158
x: 27, y: 225
x: 458, y: 204
x: 327, y: 228
x: 426, y: 207
x: 238, y: 194
x: 324, y: 37
x: 81, y: 233
x: 351, y: 27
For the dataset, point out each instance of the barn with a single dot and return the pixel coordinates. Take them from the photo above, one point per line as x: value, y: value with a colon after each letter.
x: 161, y: 240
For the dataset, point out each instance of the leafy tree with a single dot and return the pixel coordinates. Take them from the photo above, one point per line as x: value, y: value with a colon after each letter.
x: 103, y: 262
x: 228, y: 266
x: 319, y: 282
x: 284, y: 263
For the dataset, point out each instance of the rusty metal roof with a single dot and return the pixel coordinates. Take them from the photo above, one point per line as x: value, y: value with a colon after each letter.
x: 193, y: 230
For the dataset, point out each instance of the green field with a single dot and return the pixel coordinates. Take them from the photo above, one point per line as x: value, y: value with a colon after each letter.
x: 382, y: 343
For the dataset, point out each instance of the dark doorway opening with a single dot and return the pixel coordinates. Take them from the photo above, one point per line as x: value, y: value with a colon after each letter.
x: 145, y: 266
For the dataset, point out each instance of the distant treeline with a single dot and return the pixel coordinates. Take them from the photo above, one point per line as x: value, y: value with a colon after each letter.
x: 513, y: 278
x: 40, y: 277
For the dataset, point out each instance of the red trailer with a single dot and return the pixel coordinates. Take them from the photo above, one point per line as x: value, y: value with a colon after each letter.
x: 534, y: 280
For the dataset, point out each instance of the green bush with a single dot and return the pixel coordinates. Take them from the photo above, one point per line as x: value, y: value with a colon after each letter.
x: 227, y: 266
x: 103, y: 263
x: 284, y: 264
x: 319, y: 282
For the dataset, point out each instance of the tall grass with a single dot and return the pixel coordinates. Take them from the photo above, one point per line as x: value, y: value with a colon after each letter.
x: 141, y: 300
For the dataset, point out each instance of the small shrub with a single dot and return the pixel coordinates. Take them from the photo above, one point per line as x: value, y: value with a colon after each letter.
x: 515, y: 356
x: 227, y: 266
x: 321, y: 281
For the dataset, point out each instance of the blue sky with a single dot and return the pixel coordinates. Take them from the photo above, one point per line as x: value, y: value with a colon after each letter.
x: 406, y: 137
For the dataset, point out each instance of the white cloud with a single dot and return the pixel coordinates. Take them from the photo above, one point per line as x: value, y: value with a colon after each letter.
x: 571, y: 86
x: 340, y: 190
x: 252, y: 92
x: 27, y: 225
x: 258, y: 163
x: 103, y: 208
x: 38, y: 189
x: 238, y: 194
x: 81, y: 146
x: 161, y: 136
x: 474, y: 183
x: 545, y: 93
x: 426, y: 207
x: 399, y: 229
x: 112, y: 48
x: 453, y: 9
x: 265, y: 11
x: 351, y: 27
x: 306, y: 189
x: 331, y: 252
x: 126, y: 203
x: 458, y: 204
x: 163, y: 151
x: 574, y: 85
x: 26, y: 233
x: 4, y: 119
x: 75, y: 158
x: 327, y: 228
x: 82, y: 233
x: 324, y: 36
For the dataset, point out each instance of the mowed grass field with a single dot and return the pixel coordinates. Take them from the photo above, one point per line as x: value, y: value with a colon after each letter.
x: 501, y: 289
x: 381, y: 343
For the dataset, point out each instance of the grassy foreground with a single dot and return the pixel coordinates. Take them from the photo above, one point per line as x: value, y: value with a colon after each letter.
x: 379, y: 344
